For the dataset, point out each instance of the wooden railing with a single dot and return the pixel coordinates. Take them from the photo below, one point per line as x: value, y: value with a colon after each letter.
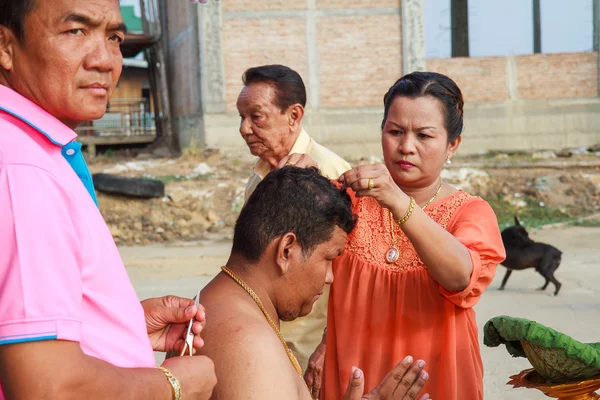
x: 126, y: 121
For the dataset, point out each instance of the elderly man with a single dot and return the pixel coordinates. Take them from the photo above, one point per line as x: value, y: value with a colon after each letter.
x: 292, y: 227
x: 271, y: 107
x: 70, y: 323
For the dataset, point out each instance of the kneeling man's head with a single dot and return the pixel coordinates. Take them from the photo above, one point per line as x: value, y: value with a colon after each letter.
x: 292, y: 227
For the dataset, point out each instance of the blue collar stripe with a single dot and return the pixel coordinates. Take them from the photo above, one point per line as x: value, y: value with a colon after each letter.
x: 28, y: 339
x: 32, y: 125
x: 72, y: 153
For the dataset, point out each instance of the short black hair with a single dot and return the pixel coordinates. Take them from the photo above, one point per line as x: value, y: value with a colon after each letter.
x: 291, y: 199
x: 438, y: 86
x: 289, y: 87
x: 13, y: 13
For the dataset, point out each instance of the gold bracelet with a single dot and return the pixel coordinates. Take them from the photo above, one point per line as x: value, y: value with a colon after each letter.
x: 409, y: 212
x: 174, y: 383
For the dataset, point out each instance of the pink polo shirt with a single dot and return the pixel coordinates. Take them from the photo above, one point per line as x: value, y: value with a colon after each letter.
x: 61, y: 276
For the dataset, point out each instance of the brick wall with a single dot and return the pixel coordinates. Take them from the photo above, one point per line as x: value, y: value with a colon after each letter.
x: 262, y: 5
x: 536, y: 76
x: 248, y: 42
x: 349, y: 53
x: 356, y: 46
x: 281, y: 5
x: 359, y: 59
x: 354, y: 4
x: 480, y: 79
x: 558, y: 76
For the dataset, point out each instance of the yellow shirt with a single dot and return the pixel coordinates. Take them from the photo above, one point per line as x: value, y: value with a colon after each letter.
x: 303, y: 335
x: 330, y: 164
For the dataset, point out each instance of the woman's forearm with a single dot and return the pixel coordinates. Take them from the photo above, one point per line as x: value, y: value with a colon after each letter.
x: 447, y: 259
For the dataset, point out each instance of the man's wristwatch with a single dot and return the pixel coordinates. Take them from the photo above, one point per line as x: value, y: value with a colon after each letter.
x: 174, y: 383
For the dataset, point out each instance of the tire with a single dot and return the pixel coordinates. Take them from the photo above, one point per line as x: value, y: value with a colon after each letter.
x: 132, y: 187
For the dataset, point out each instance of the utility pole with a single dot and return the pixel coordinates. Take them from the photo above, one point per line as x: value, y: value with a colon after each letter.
x: 537, y: 27
x: 459, y: 22
x: 156, y: 10
x: 596, y: 20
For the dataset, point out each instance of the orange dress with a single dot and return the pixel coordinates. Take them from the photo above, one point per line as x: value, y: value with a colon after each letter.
x: 379, y: 313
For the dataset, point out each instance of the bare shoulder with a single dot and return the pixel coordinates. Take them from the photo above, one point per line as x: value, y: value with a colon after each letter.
x: 249, y: 359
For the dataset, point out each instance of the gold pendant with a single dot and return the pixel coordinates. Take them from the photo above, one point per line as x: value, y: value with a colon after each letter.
x: 392, y: 255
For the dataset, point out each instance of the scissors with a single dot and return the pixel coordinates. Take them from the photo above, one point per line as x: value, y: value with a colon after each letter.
x: 189, y: 337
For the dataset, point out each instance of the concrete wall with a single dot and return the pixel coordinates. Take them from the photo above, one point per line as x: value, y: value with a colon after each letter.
x: 348, y: 53
x: 541, y: 101
x: 508, y: 125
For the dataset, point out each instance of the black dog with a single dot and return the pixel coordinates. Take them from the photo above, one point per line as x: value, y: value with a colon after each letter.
x: 523, y: 253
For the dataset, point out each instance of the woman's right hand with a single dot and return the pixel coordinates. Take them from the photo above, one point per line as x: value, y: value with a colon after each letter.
x: 404, y: 382
x: 374, y: 180
x: 196, y: 375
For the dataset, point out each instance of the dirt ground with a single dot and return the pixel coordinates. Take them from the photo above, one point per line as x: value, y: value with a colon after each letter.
x: 205, y: 191
x: 183, y: 269
x: 176, y: 244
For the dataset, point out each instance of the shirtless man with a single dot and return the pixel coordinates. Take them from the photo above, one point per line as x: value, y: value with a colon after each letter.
x: 292, y: 227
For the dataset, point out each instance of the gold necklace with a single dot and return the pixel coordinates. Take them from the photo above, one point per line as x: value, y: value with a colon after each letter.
x: 392, y: 255
x: 256, y: 299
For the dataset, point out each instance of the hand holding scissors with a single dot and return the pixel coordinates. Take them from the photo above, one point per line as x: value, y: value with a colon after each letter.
x: 167, y: 320
x: 189, y: 337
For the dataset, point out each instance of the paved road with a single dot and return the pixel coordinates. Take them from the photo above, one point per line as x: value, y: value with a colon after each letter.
x: 158, y: 270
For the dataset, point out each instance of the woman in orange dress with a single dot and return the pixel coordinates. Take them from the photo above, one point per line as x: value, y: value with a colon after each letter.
x: 420, y: 257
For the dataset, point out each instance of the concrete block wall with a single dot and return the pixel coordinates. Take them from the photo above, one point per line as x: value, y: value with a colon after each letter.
x: 505, y: 125
x: 529, y: 77
x: 355, y: 4
x: 359, y: 58
x: 480, y: 79
x: 348, y: 53
x: 252, y: 5
x: 248, y: 42
x: 558, y: 76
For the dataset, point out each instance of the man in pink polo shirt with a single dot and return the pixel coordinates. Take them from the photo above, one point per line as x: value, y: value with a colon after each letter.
x: 70, y: 323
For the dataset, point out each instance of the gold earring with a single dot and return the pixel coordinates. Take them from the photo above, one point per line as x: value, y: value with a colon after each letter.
x: 448, y: 160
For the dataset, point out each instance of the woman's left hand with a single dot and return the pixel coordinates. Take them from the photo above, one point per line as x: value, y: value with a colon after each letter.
x: 382, y: 187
